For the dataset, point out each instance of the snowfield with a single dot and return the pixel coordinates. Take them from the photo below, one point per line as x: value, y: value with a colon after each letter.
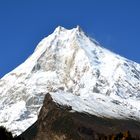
x: 77, y: 72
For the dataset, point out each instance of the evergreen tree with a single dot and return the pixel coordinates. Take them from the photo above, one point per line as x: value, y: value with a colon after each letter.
x: 4, y: 134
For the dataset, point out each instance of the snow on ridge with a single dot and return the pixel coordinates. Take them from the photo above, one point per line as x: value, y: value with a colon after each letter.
x: 76, y: 71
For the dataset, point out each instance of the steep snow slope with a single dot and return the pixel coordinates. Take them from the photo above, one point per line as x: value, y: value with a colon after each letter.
x: 77, y: 72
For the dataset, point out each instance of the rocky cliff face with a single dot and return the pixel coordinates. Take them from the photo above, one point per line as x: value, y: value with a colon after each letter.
x: 56, y: 122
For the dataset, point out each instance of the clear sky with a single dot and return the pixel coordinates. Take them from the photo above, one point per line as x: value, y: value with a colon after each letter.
x: 23, y: 23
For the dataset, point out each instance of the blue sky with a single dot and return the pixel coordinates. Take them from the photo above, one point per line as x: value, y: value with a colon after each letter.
x: 23, y: 23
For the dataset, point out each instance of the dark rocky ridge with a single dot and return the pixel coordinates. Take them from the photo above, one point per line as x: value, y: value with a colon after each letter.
x: 57, y: 122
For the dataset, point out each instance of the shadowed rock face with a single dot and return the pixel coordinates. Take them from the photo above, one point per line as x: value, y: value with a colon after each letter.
x: 57, y: 122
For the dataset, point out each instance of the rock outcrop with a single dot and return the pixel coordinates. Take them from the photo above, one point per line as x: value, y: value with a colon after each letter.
x: 57, y: 122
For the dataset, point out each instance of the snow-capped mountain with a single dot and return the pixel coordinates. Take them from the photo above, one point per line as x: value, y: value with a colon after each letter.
x: 77, y: 72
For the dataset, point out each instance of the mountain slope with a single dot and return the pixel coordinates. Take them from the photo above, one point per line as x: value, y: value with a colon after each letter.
x: 77, y: 72
x: 57, y: 122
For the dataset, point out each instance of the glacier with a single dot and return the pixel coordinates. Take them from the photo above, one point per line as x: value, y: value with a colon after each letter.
x: 78, y: 72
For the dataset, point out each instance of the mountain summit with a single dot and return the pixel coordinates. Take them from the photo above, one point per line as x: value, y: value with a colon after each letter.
x: 77, y: 72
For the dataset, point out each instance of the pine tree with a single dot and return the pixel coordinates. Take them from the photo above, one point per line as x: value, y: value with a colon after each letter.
x: 4, y: 134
